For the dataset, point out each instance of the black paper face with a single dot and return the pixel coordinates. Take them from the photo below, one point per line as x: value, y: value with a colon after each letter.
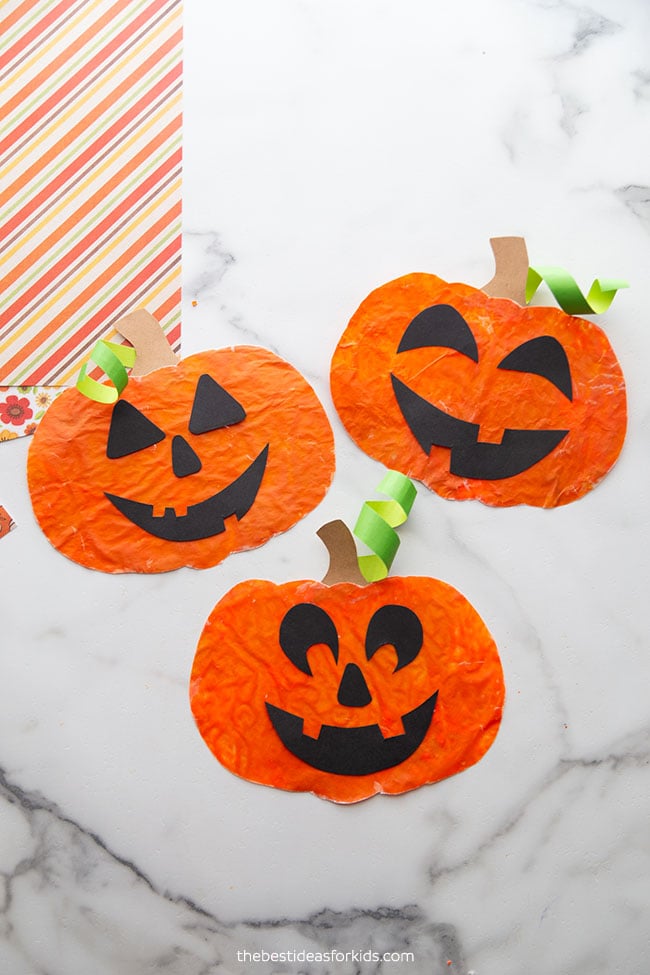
x: 353, y: 751
x: 358, y: 750
x: 443, y: 326
x: 213, y: 408
x: 204, y: 519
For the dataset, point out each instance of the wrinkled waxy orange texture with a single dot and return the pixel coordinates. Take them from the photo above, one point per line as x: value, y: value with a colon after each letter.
x: 479, y: 392
x: 239, y: 666
x: 69, y: 472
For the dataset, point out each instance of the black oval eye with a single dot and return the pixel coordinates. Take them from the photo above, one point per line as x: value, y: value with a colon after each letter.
x: 543, y: 356
x: 440, y: 325
x: 213, y: 407
x: 399, y: 627
x: 130, y: 431
x: 303, y: 626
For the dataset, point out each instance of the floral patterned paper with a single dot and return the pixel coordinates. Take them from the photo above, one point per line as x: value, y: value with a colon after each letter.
x: 6, y: 522
x: 21, y: 408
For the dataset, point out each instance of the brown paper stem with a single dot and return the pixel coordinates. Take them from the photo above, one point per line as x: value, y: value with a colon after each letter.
x: 511, y: 262
x: 344, y: 564
x: 149, y: 341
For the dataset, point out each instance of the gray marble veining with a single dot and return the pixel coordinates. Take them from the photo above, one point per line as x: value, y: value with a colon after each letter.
x: 329, y: 148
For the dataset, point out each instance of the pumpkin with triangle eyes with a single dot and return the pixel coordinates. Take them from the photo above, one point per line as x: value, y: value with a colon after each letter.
x: 196, y: 460
x: 478, y: 397
x: 346, y: 690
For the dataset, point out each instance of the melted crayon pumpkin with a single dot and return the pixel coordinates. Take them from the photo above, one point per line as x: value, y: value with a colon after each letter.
x: 346, y: 690
x: 196, y: 460
x: 478, y: 397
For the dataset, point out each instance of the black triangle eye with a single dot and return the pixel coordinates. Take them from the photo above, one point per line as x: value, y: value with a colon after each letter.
x: 399, y: 627
x: 213, y: 407
x: 130, y: 431
x: 543, y: 356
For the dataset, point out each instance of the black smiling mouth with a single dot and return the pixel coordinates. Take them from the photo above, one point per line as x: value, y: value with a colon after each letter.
x: 203, y: 520
x: 471, y: 458
x: 353, y: 751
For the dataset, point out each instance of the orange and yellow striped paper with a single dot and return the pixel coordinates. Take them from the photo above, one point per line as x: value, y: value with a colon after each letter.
x: 90, y: 179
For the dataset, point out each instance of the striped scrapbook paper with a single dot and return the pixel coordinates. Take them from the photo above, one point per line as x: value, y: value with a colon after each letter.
x: 90, y: 179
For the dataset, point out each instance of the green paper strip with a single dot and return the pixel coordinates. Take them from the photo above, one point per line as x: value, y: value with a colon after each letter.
x: 111, y: 358
x: 567, y: 293
x: 377, y: 521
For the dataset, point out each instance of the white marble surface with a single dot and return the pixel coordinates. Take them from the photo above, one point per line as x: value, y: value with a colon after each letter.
x: 330, y: 147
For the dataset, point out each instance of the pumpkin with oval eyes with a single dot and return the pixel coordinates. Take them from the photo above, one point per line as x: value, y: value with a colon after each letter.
x: 478, y: 397
x: 196, y: 460
x: 346, y: 690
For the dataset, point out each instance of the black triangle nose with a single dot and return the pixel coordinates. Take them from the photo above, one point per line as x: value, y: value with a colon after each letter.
x: 184, y: 460
x: 353, y: 690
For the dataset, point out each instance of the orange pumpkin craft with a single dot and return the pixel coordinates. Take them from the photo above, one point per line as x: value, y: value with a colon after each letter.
x: 346, y: 690
x: 197, y: 459
x: 478, y: 397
